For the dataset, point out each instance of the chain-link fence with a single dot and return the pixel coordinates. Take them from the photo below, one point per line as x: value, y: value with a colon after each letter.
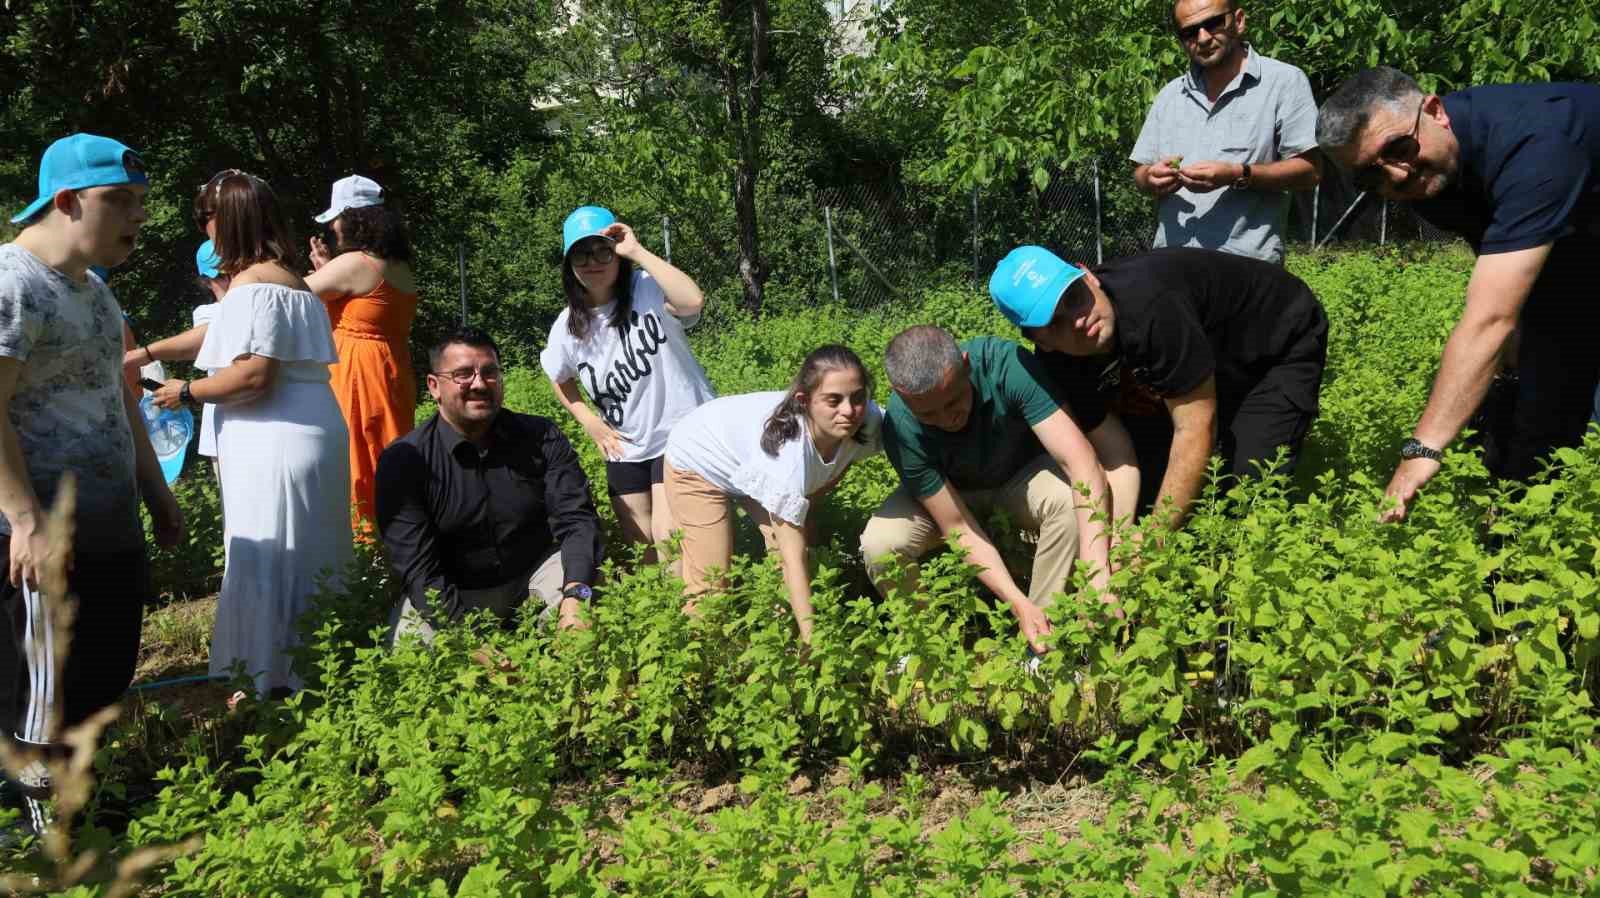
x: 876, y: 240
x: 883, y: 239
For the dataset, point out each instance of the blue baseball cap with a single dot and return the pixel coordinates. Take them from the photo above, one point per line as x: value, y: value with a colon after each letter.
x: 585, y: 221
x: 207, y: 262
x: 80, y: 161
x: 1028, y: 283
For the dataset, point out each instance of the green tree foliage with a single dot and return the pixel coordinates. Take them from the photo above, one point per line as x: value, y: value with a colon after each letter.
x: 1007, y: 88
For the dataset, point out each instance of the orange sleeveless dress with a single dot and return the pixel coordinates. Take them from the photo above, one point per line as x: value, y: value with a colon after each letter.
x: 373, y: 379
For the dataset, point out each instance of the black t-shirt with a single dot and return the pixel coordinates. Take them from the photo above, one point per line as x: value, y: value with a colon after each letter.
x: 1530, y: 167
x: 1184, y: 314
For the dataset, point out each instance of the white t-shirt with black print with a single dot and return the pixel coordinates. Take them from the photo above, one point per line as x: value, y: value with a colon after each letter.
x: 721, y: 442
x: 641, y: 378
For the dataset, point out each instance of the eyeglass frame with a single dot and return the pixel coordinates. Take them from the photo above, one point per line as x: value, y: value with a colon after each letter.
x: 1222, y: 20
x: 472, y: 374
x: 589, y: 254
x: 1370, y: 177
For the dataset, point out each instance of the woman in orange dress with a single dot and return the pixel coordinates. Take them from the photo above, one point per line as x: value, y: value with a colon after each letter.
x: 366, y: 282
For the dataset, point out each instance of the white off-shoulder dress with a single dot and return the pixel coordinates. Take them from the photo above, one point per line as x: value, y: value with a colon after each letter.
x: 286, y: 483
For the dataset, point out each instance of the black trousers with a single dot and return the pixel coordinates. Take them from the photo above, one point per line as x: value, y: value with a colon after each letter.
x: 111, y: 590
x: 1253, y: 422
x: 1552, y: 398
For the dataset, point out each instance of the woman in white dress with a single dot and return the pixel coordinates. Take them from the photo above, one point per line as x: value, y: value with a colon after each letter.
x: 286, y: 486
x: 776, y: 454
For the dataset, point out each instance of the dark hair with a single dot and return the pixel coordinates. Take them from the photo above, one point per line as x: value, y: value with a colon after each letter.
x: 465, y: 336
x: 251, y: 226
x: 1344, y: 115
x: 378, y: 230
x: 579, y: 316
x: 783, y: 424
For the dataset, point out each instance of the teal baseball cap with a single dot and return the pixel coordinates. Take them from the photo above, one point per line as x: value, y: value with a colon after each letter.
x: 1028, y: 283
x: 585, y: 221
x: 207, y: 262
x: 80, y: 161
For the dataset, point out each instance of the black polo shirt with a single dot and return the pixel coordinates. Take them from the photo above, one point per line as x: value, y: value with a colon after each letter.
x: 1529, y: 167
x: 454, y: 516
x: 1184, y: 314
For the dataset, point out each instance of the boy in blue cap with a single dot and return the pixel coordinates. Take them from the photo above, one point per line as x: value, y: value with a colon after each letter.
x: 1232, y: 347
x: 66, y: 411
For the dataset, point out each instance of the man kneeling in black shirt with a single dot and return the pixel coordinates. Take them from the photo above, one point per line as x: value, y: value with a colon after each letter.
x: 481, y: 508
x: 1233, y: 347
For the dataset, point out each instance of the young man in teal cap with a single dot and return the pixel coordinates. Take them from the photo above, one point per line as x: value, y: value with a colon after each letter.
x: 1232, y: 347
x: 66, y: 412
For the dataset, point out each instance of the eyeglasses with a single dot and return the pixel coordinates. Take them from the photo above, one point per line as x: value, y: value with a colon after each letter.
x: 462, y: 377
x: 1212, y: 25
x: 601, y: 254
x: 1402, y: 150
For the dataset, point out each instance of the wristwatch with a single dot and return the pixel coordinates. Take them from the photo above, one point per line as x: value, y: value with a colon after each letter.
x: 1413, y: 448
x: 1243, y: 180
x: 184, y: 396
x: 577, y: 591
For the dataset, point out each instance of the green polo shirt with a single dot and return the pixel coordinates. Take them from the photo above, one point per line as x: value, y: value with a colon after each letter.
x: 1011, y: 393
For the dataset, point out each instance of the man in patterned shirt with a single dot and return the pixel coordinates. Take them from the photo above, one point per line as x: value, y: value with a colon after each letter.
x: 67, y: 411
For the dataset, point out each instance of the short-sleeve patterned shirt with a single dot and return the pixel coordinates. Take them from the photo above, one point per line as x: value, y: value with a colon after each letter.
x: 68, y: 408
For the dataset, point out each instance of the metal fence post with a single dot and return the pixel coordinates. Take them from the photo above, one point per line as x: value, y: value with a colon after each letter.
x: 976, y: 274
x: 833, y: 266
x: 1316, y: 196
x: 1099, y: 242
x: 1383, y: 223
x: 666, y: 237
x: 461, y: 264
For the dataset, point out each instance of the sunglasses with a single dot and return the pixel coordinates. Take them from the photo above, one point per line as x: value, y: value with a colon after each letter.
x: 601, y: 254
x: 1212, y: 25
x: 1402, y: 150
x: 463, y: 377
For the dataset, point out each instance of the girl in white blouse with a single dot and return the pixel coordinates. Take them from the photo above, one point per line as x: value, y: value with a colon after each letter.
x: 776, y: 453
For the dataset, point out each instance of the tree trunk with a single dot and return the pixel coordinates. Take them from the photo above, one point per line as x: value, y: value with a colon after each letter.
x: 742, y: 87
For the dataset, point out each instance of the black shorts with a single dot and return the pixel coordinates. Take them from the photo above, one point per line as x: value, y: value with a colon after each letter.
x: 626, y: 478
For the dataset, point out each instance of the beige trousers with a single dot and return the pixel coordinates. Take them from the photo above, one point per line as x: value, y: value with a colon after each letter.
x: 705, y: 515
x: 544, y: 583
x: 1037, y: 498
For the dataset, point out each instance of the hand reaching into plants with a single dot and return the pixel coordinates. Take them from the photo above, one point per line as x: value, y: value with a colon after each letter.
x: 1408, y: 478
x: 1034, y: 623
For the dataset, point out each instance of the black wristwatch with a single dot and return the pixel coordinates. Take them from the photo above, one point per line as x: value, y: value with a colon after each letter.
x: 577, y: 591
x: 184, y: 396
x: 1413, y: 448
x: 1244, y: 177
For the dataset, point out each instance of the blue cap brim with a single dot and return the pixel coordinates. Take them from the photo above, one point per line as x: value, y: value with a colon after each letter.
x: 577, y: 240
x: 32, y: 210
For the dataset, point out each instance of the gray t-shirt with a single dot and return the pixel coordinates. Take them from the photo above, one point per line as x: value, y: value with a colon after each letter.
x: 1265, y: 115
x: 68, y: 405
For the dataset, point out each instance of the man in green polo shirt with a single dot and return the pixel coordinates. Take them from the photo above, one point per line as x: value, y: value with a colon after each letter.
x: 978, y: 426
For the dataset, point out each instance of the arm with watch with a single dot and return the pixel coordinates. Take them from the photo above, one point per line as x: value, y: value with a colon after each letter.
x: 573, y: 522
x: 1499, y: 286
x: 243, y: 381
x: 1300, y: 172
